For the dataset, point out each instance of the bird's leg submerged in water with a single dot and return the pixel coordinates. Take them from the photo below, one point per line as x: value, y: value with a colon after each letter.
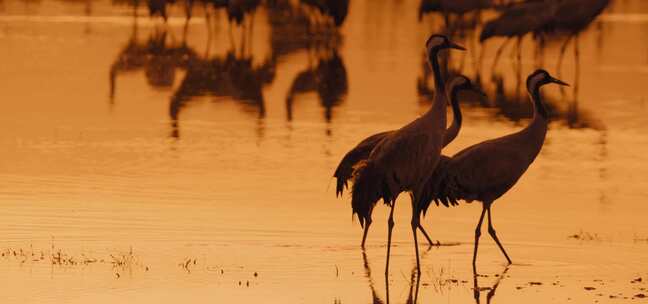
x: 498, y: 54
x: 563, y: 48
x: 477, y: 235
x: 415, y: 225
x: 366, y: 230
x: 390, y: 226
x: 491, y: 231
x: 420, y: 227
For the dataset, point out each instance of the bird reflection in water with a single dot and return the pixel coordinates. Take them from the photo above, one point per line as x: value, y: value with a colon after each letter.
x: 477, y: 290
x: 158, y: 58
x: 296, y: 30
x: 228, y: 76
x: 414, y: 283
x: 328, y: 79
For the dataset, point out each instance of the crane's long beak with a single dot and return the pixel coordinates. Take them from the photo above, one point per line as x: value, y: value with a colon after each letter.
x: 560, y: 82
x: 456, y: 46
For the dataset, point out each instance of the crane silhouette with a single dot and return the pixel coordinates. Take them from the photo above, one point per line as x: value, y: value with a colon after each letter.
x: 486, y: 171
x: 360, y: 153
x: 458, y: 7
x: 516, y: 22
x: 336, y: 10
x: 572, y: 17
x: 401, y: 161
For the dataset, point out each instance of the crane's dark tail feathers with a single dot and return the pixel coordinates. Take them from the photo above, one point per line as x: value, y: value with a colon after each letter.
x: 441, y: 187
x: 353, y: 159
x: 368, y: 187
x: 343, y: 174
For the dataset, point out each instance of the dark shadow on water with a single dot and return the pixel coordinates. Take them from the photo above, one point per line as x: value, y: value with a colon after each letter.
x: 490, y: 291
x: 414, y: 283
x: 159, y: 59
x: 374, y: 295
x: 328, y: 79
x: 230, y: 76
x: 225, y: 76
x: 293, y: 31
x: 235, y: 75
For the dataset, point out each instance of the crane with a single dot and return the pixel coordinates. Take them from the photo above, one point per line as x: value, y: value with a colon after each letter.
x: 486, y: 171
x: 360, y: 153
x: 401, y: 161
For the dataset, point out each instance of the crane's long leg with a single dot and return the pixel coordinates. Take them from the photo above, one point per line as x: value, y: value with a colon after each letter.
x: 517, y: 67
x: 539, y: 51
x: 498, y: 54
x: 491, y: 231
x: 209, y: 33
x: 420, y: 227
x: 477, y: 235
x: 563, y: 48
x: 364, y: 234
x: 415, y: 225
x: 231, y: 38
x: 481, y: 60
x: 390, y: 226
x: 576, y: 69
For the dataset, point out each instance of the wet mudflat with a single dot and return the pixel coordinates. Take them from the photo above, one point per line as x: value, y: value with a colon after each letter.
x: 143, y: 163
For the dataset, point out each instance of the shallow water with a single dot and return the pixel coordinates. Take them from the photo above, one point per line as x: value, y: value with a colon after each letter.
x: 156, y: 187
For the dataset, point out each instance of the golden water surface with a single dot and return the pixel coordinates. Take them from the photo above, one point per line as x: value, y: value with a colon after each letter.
x: 126, y: 176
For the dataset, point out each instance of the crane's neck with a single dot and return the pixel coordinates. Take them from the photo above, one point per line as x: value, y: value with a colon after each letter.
x: 438, y: 110
x: 536, y: 131
x: 456, y: 111
x: 439, y: 84
x: 452, y: 132
x: 539, y: 110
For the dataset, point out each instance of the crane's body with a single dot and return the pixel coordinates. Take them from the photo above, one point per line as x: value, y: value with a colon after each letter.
x: 360, y: 153
x: 573, y: 16
x: 337, y: 10
x: 400, y: 161
x: 486, y: 171
x: 458, y: 7
x: 519, y: 20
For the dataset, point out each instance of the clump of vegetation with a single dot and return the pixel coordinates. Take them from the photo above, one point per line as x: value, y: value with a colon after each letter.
x: 126, y: 261
x: 442, y: 280
x: 188, y: 263
x: 585, y: 236
x: 120, y: 262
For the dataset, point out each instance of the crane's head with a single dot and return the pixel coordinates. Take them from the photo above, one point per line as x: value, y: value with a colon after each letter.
x: 438, y: 42
x: 541, y: 77
x: 462, y: 83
